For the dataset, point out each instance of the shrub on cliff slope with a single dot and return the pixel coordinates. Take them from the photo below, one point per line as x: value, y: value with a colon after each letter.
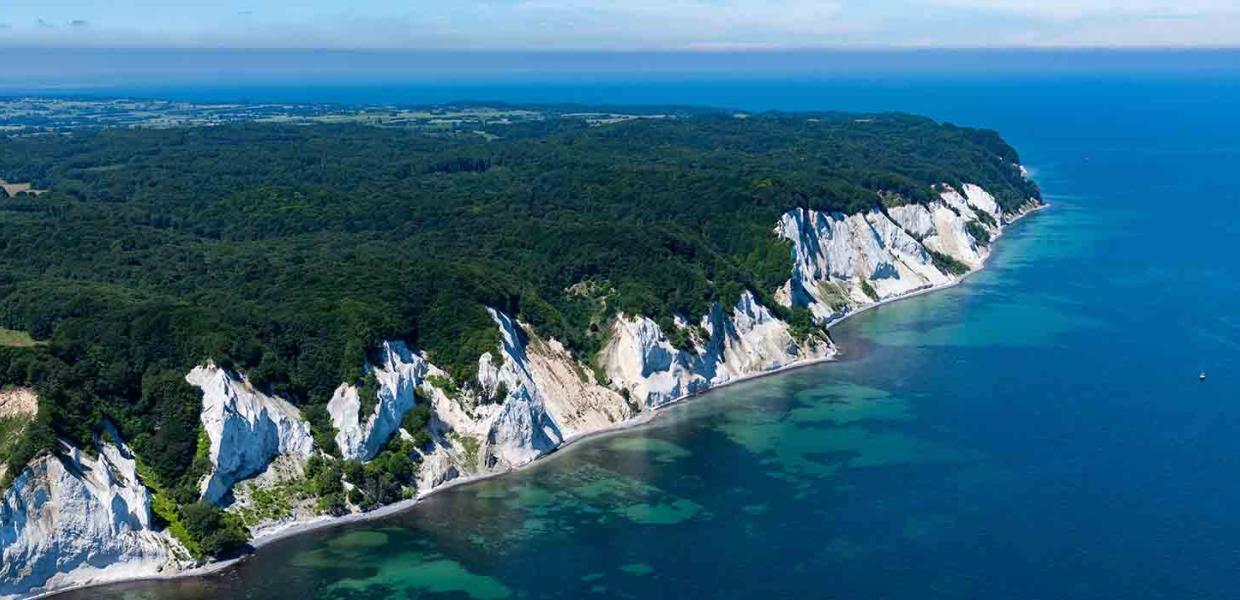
x: 218, y: 533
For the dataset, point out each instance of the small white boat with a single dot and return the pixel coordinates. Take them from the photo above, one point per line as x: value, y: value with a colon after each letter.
x: 1202, y: 376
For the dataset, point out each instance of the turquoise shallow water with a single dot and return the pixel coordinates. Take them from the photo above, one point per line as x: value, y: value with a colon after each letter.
x: 1038, y: 432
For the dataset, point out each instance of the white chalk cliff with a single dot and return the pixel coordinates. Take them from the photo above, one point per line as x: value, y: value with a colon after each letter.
x: 399, y: 371
x: 640, y: 360
x: 521, y: 430
x: 71, y: 518
x: 842, y: 263
x: 247, y: 429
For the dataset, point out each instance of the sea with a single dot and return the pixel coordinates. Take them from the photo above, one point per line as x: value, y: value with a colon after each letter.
x: 1039, y: 432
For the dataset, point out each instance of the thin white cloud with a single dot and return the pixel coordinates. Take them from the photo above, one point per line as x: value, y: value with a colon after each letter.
x: 1106, y: 10
x: 1170, y: 32
x: 631, y: 24
x: 617, y: 23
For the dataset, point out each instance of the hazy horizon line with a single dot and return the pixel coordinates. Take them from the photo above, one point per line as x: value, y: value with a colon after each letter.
x: 67, y: 66
x: 740, y: 48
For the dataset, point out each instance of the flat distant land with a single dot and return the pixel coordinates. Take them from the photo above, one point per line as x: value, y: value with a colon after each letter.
x: 36, y: 116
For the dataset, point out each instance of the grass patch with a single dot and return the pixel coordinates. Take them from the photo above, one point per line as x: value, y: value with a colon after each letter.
x: 471, y: 446
x: 417, y: 421
x: 17, y: 339
x: 596, y: 367
x: 801, y: 325
x: 368, y: 397
x: 12, y: 434
x: 869, y: 290
x: 834, y: 295
x: 166, y: 511
x: 679, y: 338
x: 978, y: 232
x: 272, y: 503
x: 947, y: 264
x: 445, y: 384
x: 11, y: 430
x: 25, y: 432
x: 203, y: 450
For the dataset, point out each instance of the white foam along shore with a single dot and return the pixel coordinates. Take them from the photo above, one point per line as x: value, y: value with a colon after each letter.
x: 288, y: 530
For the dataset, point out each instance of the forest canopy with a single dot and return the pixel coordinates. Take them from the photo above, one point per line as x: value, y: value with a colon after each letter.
x: 290, y: 251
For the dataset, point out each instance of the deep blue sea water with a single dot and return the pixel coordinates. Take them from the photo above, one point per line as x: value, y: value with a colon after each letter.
x: 1038, y: 432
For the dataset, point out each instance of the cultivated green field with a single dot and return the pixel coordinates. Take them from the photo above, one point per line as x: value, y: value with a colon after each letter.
x: 16, y: 339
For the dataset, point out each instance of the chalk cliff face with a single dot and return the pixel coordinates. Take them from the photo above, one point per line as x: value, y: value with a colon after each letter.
x: 531, y: 395
x: 521, y: 430
x: 640, y: 359
x: 507, y: 420
x: 844, y: 263
x: 71, y: 518
x: 247, y: 429
x: 399, y: 371
x: 571, y: 392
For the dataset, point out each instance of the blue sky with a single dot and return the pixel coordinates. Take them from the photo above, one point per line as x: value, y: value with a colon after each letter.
x: 619, y: 24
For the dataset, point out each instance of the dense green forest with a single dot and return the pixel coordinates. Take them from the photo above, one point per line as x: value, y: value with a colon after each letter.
x: 290, y: 251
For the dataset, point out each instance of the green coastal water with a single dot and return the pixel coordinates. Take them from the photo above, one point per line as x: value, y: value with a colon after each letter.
x: 1038, y: 432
